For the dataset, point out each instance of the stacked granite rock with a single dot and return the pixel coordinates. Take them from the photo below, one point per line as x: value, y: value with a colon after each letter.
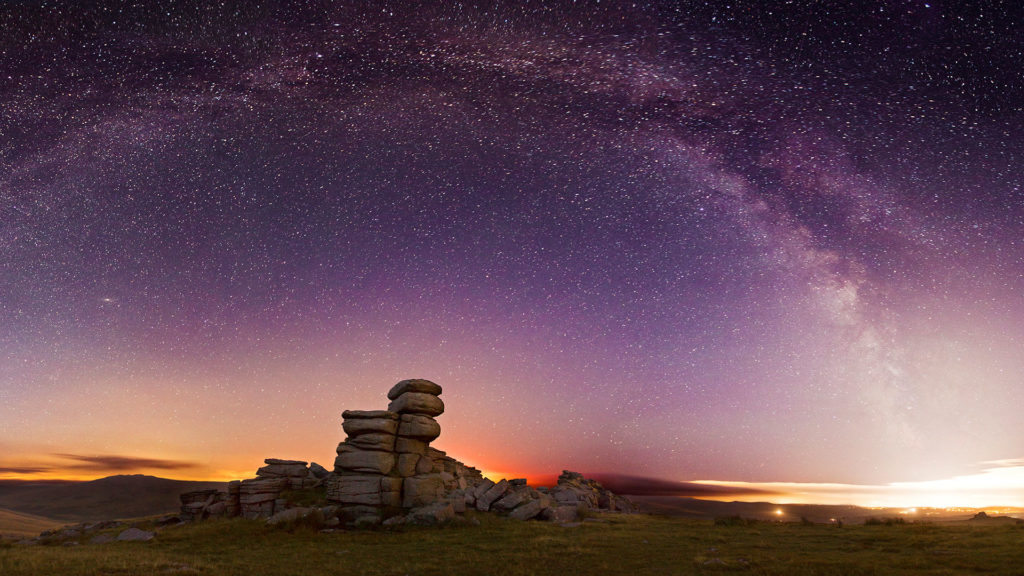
x: 258, y: 497
x: 386, y: 471
x: 386, y: 464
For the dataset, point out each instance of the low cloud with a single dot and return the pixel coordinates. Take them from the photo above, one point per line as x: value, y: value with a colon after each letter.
x: 113, y: 463
x: 23, y: 470
x: 640, y: 486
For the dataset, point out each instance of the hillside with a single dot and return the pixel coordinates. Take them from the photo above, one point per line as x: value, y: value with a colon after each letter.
x: 21, y: 524
x: 103, y: 499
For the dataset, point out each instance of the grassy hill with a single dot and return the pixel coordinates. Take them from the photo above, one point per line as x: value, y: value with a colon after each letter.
x: 612, y: 545
x: 21, y: 524
x: 104, y: 499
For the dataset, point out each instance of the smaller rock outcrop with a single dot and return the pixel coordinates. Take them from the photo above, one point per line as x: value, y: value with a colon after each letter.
x: 259, y: 497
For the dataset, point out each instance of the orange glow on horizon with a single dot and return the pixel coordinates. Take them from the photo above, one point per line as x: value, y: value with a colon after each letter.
x: 999, y: 486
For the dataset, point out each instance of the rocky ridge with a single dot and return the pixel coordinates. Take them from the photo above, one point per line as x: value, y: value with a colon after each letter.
x: 386, y: 472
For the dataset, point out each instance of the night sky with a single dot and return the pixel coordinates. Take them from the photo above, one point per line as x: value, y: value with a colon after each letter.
x: 742, y: 241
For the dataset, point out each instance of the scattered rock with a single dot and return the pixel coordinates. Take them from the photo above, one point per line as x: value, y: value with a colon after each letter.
x: 529, y: 510
x: 394, y: 520
x: 433, y: 514
x: 483, y: 502
x: 313, y: 516
x: 135, y: 535
x: 101, y: 539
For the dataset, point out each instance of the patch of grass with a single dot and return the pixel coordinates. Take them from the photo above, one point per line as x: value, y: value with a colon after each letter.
x: 736, y: 521
x: 622, y: 545
x: 896, y: 521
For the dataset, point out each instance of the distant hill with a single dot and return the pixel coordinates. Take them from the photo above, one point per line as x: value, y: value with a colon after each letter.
x: 104, y: 499
x: 697, y: 508
x: 20, y: 524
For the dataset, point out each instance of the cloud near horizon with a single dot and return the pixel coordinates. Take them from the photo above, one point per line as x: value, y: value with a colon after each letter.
x: 641, y: 486
x: 997, y: 484
x: 23, y: 469
x: 116, y: 463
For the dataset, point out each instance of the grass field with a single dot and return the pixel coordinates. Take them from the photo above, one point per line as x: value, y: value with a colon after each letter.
x: 22, y: 524
x: 629, y: 545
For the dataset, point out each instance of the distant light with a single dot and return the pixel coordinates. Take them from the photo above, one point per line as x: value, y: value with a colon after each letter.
x: 778, y: 512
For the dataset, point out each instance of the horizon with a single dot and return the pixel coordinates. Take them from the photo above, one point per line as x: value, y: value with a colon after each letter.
x: 763, y: 247
x: 996, y: 488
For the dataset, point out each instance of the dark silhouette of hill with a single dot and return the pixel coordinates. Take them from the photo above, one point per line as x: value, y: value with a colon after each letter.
x: 125, y: 496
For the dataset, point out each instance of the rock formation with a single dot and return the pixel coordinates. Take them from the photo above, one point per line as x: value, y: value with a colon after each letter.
x: 258, y: 497
x: 387, y: 472
x: 386, y: 465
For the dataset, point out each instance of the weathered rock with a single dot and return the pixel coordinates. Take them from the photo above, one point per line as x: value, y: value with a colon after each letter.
x: 417, y: 403
x: 561, y: 514
x: 391, y: 499
x: 394, y: 520
x: 286, y: 516
x: 421, y: 490
x: 528, y: 510
x: 414, y: 385
x: 483, y: 503
x: 563, y: 496
x: 355, y: 489
x: 458, y: 500
x: 386, y: 465
x: 101, y: 538
x: 374, y: 441
x: 418, y: 427
x: 283, y: 468
x: 350, y: 514
x: 135, y: 535
x: 482, y: 487
x: 410, y: 446
x: 262, y: 485
x: 318, y: 471
x: 202, y: 496
x: 391, y: 492
x: 367, y: 520
x: 369, y: 415
x: 510, y: 500
x: 406, y: 465
x: 625, y: 505
x: 358, y: 422
x: 357, y: 460
x: 430, y: 515
x: 424, y: 465
x: 261, y: 490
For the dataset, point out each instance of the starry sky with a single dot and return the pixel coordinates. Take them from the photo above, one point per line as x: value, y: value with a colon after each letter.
x: 737, y: 241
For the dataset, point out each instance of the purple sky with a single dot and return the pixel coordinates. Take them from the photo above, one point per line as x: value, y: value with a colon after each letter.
x: 753, y: 243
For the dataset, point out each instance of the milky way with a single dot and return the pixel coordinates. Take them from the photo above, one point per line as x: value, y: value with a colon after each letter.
x: 744, y: 242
